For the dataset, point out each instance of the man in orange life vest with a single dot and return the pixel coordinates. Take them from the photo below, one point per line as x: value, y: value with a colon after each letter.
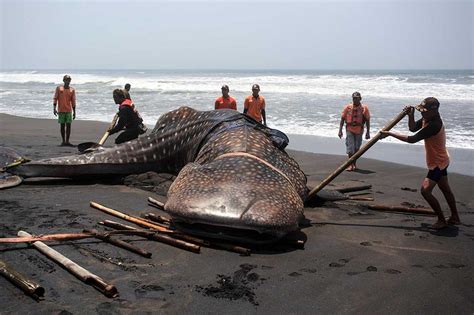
x: 225, y: 101
x: 129, y: 119
x: 431, y: 130
x: 254, y: 105
x: 355, y: 115
x: 65, y: 98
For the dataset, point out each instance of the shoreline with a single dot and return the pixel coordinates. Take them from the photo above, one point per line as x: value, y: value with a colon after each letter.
x: 462, y: 160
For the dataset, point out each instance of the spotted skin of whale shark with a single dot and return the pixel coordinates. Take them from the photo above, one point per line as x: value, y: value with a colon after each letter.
x: 230, y: 170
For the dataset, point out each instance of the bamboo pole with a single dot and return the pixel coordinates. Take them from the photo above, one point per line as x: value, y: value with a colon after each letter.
x: 156, y: 237
x: 354, y: 188
x: 156, y: 203
x: 84, y: 275
x: 357, y: 155
x: 425, y: 211
x: 133, y: 219
x: 28, y: 286
x: 119, y: 243
x: 157, y: 218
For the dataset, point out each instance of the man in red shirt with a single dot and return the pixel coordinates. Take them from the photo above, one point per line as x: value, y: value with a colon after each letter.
x: 254, y: 105
x: 65, y: 98
x: 355, y: 115
x: 225, y: 101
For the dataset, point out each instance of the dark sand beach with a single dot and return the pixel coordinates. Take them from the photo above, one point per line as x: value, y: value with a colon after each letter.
x: 355, y: 260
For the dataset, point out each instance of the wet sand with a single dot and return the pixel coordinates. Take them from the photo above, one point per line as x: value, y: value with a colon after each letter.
x: 355, y: 260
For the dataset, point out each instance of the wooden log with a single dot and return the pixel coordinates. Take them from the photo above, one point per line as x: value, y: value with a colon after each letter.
x: 58, y: 237
x: 357, y: 155
x: 232, y: 248
x: 133, y: 219
x: 28, y: 286
x: 157, y: 218
x: 361, y: 198
x: 425, y: 211
x: 359, y: 194
x: 156, y: 237
x: 156, y: 203
x: 46, y: 238
x: 82, y: 274
x: 119, y: 243
x: 354, y: 188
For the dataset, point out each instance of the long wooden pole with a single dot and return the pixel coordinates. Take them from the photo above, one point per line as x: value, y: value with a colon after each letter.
x: 156, y: 237
x: 126, y: 217
x: 425, y: 211
x: 107, y: 133
x: 357, y: 155
x: 86, y: 276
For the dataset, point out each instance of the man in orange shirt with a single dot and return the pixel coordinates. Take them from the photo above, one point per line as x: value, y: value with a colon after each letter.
x: 431, y: 130
x: 355, y: 115
x: 65, y: 98
x: 225, y: 101
x: 254, y: 105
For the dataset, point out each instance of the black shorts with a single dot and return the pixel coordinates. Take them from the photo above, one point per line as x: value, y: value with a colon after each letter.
x: 436, y: 174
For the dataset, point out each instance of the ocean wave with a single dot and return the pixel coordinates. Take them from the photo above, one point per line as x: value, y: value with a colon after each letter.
x: 452, y: 87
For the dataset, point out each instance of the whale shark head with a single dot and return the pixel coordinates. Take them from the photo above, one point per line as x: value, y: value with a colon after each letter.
x: 239, y: 190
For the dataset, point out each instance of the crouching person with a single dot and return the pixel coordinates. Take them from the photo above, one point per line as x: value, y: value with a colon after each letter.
x: 129, y: 119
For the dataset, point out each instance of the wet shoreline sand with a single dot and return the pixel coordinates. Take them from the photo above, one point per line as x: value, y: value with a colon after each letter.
x: 355, y: 259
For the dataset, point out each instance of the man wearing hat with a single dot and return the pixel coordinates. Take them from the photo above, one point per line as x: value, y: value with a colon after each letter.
x: 355, y: 115
x: 431, y: 129
x: 225, y: 101
x: 65, y: 98
x: 254, y: 105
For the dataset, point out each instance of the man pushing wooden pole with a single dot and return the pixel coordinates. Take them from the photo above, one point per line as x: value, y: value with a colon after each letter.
x: 357, y: 155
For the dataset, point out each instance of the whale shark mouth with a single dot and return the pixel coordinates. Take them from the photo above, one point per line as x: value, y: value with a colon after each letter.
x: 228, y: 233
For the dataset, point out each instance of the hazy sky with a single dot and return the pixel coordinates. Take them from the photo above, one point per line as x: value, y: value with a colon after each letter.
x: 236, y: 35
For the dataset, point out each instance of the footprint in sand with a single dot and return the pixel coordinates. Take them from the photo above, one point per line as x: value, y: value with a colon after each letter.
x: 340, y: 263
x: 295, y: 274
x: 368, y: 269
x: 392, y: 271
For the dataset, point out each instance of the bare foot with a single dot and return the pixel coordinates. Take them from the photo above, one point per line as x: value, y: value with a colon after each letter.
x: 439, y: 225
x: 349, y: 169
x: 454, y: 220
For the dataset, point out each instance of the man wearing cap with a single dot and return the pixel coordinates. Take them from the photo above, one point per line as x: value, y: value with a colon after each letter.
x: 225, y: 101
x: 126, y: 91
x: 431, y: 129
x: 254, y: 105
x: 65, y: 98
x: 355, y: 115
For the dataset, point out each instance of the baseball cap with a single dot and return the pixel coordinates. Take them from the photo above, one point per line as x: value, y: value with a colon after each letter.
x: 255, y: 87
x: 428, y: 103
x: 225, y: 87
x: 66, y: 77
x: 356, y: 94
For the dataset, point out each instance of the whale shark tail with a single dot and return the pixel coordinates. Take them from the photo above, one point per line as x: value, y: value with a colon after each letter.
x: 9, y: 158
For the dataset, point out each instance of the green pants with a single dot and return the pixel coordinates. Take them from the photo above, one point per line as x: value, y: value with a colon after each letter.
x: 65, y: 118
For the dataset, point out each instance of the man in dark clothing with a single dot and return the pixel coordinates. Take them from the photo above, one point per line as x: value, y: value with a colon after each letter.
x: 126, y: 91
x: 129, y: 119
x: 431, y: 129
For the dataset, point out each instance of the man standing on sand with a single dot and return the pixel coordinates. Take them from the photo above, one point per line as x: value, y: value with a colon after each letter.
x: 254, y: 105
x: 126, y: 90
x: 355, y: 115
x: 431, y: 130
x: 225, y: 101
x: 65, y: 98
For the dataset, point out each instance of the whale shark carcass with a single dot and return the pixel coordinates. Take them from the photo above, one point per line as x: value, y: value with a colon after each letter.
x: 233, y: 175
